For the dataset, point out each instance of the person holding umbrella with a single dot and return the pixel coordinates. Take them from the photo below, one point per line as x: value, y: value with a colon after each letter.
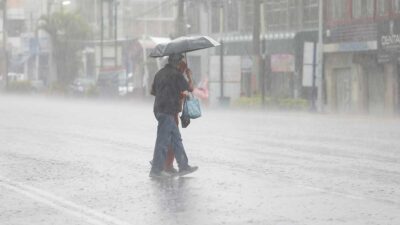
x: 167, y: 87
x: 169, y: 83
x: 169, y: 162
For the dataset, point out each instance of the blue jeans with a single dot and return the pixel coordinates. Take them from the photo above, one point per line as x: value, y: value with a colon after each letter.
x: 168, y: 134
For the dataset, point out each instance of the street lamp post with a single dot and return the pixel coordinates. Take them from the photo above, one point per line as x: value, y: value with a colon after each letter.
x: 180, y: 29
x: 5, y: 42
x: 320, y: 57
x: 101, y: 33
x: 262, y: 54
x: 221, y: 31
x: 50, y: 4
x: 256, y: 45
x: 116, y: 4
x: 64, y: 3
x: 52, y: 76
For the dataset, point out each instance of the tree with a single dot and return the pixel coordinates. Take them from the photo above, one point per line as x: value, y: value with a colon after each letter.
x: 68, y: 33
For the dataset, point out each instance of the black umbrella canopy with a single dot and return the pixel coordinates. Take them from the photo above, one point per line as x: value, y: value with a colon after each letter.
x: 183, y: 45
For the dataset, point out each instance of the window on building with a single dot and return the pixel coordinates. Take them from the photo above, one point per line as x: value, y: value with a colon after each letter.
x: 15, y: 28
x: 362, y: 8
x: 166, y: 9
x: 396, y: 4
x: 215, y: 14
x: 89, y: 15
x: 277, y: 14
x: 248, y: 15
x: 382, y: 7
x: 193, y: 18
x: 310, y: 13
x: 232, y: 12
x: 294, y: 14
x: 139, y: 8
x: 337, y: 9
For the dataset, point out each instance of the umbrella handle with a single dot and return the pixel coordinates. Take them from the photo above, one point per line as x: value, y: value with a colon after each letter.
x: 187, y: 64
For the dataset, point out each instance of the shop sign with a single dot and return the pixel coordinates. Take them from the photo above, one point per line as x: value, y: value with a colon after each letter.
x: 282, y: 63
x: 388, y: 40
x: 310, y: 50
x: 389, y: 36
x: 350, y: 47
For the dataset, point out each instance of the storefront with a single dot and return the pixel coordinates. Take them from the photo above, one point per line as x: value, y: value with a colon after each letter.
x: 358, y: 81
x: 389, y: 56
x: 361, y: 57
x: 279, y: 65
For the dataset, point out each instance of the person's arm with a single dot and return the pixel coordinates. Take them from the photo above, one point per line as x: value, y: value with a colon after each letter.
x: 190, y: 80
x: 153, y: 89
x: 185, y: 85
x: 188, y: 73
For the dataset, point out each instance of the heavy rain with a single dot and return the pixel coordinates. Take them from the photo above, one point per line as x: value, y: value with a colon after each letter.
x: 277, y: 112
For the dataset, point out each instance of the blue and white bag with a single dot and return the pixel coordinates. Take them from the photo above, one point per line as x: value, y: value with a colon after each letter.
x: 191, y: 107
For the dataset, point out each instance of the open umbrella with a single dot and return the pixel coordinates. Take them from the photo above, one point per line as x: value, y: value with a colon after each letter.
x: 182, y: 45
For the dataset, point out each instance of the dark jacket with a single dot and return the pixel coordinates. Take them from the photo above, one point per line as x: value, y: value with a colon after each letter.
x: 167, y: 87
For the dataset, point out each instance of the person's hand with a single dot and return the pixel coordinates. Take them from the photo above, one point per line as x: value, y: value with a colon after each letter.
x: 189, y: 73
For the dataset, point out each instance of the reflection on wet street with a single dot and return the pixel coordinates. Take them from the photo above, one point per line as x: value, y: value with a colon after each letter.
x: 83, y: 162
x: 173, y: 195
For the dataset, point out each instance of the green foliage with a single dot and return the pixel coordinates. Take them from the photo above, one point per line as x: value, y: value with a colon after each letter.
x: 272, y: 103
x: 57, y: 89
x: 20, y: 87
x: 293, y: 104
x: 68, y: 32
x: 248, y: 101
x: 92, y: 92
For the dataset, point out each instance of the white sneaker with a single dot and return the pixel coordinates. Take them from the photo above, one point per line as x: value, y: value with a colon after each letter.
x: 161, y: 174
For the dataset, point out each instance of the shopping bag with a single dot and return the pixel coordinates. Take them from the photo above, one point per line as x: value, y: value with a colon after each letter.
x: 185, y: 119
x: 191, y: 107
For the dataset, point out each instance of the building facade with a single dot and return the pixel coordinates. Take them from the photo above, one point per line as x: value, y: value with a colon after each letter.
x: 22, y: 39
x: 284, y: 28
x: 361, y: 47
x: 361, y: 56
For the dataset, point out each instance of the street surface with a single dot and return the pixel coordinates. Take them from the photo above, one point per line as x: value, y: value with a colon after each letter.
x: 81, y: 162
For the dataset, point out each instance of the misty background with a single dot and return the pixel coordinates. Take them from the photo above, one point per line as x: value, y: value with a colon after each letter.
x: 336, y: 59
x: 300, y: 108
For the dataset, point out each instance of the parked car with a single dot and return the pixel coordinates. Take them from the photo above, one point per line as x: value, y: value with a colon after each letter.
x: 83, y: 87
x: 16, y: 77
x: 114, y: 83
x: 38, y: 86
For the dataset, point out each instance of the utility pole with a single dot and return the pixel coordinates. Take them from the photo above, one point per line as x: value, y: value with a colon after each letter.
x: 262, y: 54
x: 223, y: 100
x: 180, y: 29
x: 101, y: 34
x: 221, y: 33
x: 320, y: 57
x: 256, y: 43
x: 48, y: 8
x: 110, y: 18
x: 5, y: 42
x: 49, y: 78
x: 314, y: 78
x: 116, y: 3
x: 37, y: 52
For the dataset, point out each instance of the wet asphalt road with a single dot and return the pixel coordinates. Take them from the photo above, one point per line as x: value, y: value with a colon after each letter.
x: 72, y: 162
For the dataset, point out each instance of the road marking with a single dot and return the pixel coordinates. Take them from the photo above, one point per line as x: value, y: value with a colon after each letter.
x: 61, y: 204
